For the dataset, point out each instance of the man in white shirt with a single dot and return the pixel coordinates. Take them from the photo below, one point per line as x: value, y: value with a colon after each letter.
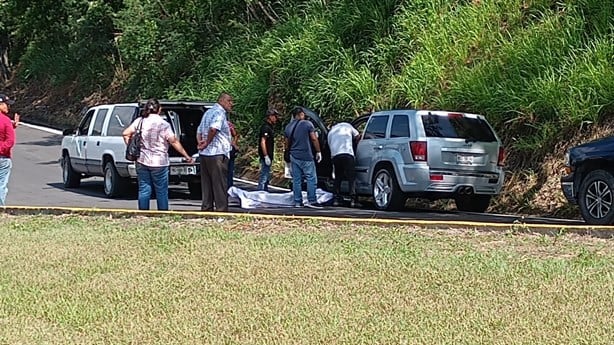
x: 341, y: 140
x: 214, y: 144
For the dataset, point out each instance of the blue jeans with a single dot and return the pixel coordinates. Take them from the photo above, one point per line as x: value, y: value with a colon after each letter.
x: 265, y: 176
x: 151, y: 178
x: 5, y: 171
x: 302, y: 169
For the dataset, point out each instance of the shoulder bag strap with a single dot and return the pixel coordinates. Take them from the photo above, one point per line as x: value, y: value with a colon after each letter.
x: 292, y: 133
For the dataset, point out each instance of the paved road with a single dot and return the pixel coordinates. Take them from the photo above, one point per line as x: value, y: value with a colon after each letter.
x: 36, y: 180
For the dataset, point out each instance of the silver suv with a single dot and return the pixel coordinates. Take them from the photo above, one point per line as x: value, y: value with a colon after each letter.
x: 421, y: 154
x: 429, y: 154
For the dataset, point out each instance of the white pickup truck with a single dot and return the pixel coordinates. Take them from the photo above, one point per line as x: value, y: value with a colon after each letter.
x: 96, y: 147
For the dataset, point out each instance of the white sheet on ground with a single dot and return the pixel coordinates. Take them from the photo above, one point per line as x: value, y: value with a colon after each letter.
x: 262, y: 199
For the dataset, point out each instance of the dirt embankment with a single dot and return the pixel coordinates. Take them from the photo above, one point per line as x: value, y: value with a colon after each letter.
x: 531, y: 191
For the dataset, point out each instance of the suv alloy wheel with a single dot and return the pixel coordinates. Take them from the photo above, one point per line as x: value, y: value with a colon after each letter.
x: 386, y: 192
x: 596, y: 197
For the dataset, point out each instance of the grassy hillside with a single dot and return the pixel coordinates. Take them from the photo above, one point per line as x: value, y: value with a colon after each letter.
x: 539, y: 70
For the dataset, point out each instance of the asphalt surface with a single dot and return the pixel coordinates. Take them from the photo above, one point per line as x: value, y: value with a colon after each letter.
x: 36, y: 181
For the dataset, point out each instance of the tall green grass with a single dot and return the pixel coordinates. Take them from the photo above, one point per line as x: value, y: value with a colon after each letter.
x: 535, y: 68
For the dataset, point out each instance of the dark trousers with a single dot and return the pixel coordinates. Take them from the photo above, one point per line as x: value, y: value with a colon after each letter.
x: 344, y: 170
x: 214, y: 182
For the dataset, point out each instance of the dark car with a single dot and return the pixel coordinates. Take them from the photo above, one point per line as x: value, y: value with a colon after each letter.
x: 588, y: 180
x: 324, y: 169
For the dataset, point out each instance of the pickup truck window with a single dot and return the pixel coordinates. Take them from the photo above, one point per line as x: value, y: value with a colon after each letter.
x: 121, y: 117
x: 84, y: 127
x: 99, y: 121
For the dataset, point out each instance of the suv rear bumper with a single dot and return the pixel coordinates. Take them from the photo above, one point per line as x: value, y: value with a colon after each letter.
x: 425, y: 180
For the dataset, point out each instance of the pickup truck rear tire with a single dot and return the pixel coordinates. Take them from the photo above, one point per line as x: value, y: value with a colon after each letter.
x: 70, y: 177
x: 472, y: 202
x: 596, y: 198
x: 114, y: 184
x: 386, y: 192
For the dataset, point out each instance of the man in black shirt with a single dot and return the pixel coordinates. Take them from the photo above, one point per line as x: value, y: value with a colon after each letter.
x: 266, y: 147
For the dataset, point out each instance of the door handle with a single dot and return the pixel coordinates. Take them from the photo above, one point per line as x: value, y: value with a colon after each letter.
x: 379, y: 147
x: 98, y: 143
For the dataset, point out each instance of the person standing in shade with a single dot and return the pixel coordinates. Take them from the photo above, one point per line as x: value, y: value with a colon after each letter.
x: 233, y: 153
x: 341, y: 139
x: 153, y: 164
x: 300, y: 135
x: 214, y: 143
x: 7, y: 141
x: 266, y: 148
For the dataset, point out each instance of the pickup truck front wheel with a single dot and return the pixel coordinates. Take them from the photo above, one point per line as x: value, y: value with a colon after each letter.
x: 596, y: 198
x: 70, y: 177
x: 114, y: 184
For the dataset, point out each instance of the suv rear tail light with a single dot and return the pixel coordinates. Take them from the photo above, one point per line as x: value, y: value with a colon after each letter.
x: 501, y: 157
x: 418, y: 150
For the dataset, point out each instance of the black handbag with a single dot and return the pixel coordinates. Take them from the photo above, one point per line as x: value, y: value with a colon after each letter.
x: 287, y: 151
x: 133, y: 149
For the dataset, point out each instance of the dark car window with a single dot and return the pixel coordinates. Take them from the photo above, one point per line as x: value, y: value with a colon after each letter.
x: 84, y: 128
x: 99, y: 121
x: 400, y: 127
x: 376, y: 128
x: 457, y: 126
x: 121, y: 117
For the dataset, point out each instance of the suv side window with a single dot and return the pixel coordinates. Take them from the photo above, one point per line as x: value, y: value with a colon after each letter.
x: 99, y: 121
x: 121, y: 117
x: 400, y: 127
x: 84, y: 127
x: 376, y: 128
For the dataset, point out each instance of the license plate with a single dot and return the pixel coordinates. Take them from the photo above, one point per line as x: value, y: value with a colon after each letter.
x: 183, y: 170
x: 464, y: 159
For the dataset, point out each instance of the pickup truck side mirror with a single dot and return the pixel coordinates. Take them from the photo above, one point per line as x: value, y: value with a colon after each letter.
x: 69, y: 131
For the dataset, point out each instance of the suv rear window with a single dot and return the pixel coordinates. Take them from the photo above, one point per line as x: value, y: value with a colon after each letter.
x: 457, y: 126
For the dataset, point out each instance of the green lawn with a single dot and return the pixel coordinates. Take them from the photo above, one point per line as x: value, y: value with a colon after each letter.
x: 168, y: 280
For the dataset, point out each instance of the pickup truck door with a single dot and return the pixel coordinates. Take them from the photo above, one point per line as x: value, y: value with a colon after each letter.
x: 93, y: 148
x: 79, y: 142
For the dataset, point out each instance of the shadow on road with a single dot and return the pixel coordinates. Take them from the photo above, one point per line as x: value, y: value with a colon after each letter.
x: 95, y: 188
x: 47, y: 141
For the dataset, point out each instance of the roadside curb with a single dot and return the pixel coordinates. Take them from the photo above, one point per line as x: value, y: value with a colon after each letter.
x: 513, y: 228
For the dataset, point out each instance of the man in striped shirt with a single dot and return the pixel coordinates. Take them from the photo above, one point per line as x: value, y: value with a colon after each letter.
x: 214, y: 143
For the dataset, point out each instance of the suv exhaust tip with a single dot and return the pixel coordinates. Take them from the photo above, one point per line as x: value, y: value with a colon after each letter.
x: 465, y: 190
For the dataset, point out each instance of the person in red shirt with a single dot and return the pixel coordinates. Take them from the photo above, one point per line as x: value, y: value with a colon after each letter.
x: 7, y: 141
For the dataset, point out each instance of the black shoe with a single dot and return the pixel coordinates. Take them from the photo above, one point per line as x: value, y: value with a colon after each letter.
x: 314, y: 205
